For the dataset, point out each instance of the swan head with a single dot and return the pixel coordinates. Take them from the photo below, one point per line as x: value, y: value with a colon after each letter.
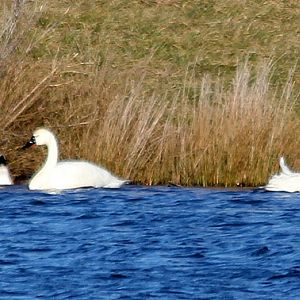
x: 3, y: 161
x: 41, y: 136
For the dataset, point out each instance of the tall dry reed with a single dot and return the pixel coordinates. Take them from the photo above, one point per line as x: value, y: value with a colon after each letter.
x: 200, y: 134
x: 205, y: 135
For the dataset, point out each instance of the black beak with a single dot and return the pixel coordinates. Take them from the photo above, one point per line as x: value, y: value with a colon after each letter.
x: 3, y: 161
x: 30, y: 143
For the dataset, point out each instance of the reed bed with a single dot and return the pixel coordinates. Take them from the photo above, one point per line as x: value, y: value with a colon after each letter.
x: 202, y: 135
x: 198, y: 130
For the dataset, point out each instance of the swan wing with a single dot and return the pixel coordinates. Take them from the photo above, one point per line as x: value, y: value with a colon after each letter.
x: 284, y: 183
x: 5, y: 178
x: 75, y: 174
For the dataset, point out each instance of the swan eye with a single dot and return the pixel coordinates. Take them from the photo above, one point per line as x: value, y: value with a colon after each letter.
x: 31, y: 142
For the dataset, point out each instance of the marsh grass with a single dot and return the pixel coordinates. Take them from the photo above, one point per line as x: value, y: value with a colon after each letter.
x: 204, y: 134
x: 200, y: 134
x: 140, y: 93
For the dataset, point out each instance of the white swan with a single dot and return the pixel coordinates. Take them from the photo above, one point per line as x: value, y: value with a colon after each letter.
x: 286, y: 181
x: 5, y: 178
x: 62, y: 175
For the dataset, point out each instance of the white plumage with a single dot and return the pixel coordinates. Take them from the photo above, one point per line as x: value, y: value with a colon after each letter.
x: 55, y: 175
x: 286, y: 181
x: 5, y: 178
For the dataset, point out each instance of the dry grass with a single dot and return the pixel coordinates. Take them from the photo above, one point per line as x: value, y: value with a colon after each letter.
x: 206, y: 135
x: 147, y: 120
x: 202, y: 134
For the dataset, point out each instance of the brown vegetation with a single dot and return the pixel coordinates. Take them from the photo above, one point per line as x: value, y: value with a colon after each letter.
x: 197, y: 130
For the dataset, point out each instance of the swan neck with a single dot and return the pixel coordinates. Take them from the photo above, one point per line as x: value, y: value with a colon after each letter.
x: 52, y: 157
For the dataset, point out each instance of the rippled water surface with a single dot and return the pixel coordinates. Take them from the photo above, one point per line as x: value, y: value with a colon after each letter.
x: 149, y: 243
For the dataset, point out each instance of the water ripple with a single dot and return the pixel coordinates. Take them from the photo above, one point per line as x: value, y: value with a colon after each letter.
x: 149, y: 243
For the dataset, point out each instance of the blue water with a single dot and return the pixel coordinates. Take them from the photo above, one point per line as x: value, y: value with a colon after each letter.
x: 149, y: 243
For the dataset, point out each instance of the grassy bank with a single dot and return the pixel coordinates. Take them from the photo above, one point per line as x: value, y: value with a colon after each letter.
x: 188, y: 92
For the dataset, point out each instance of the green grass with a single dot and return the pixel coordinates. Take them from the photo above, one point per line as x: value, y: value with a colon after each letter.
x: 213, y: 33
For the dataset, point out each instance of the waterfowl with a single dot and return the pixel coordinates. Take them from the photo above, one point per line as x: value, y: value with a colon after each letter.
x: 286, y: 181
x: 5, y: 178
x: 69, y: 174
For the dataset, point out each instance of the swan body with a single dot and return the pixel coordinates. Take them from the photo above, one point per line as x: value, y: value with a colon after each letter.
x: 286, y: 181
x: 69, y: 174
x: 5, y: 178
